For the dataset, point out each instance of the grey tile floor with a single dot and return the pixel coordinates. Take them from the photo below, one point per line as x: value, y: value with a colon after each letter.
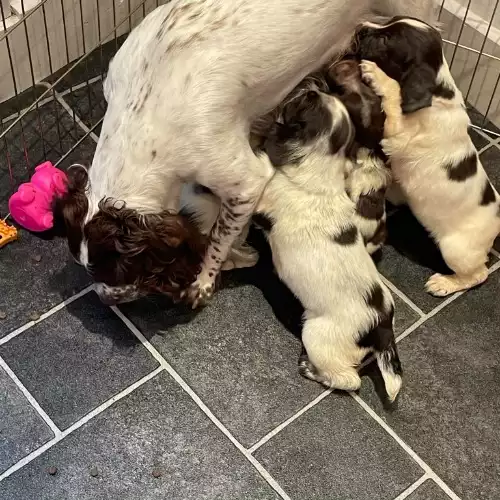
x: 147, y: 401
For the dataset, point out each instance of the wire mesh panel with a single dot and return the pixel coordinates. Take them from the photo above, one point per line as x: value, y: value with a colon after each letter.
x: 54, y: 54
x: 471, y: 29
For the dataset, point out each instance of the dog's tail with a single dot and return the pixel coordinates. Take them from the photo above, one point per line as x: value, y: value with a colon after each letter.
x: 390, y: 367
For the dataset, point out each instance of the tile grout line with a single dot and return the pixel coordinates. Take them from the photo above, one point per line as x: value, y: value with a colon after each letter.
x: 75, y: 117
x: 485, y: 148
x: 62, y: 434
x: 490, y: 141
x: 406, y: 493
x: 288, y: 421
x: 440, y: 307
x: 429, y: 315
x: 495, y: 253
x: 400, y: 337
x: 402, y: 295
x: 33, y: 402
x: 425, y: 467
x: 203, y: 407
x: 45, y: 315
x: 78, y: 120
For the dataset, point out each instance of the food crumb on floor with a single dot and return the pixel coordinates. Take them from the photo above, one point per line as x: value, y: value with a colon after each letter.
x: 52, y: 470
x: 34, y: 316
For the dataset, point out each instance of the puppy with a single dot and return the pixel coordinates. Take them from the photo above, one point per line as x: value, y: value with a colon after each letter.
x: 317, y: 249
x: 432, y: 156
x: 367, y: 183
x: 182, y: 92
x: 366, y: 186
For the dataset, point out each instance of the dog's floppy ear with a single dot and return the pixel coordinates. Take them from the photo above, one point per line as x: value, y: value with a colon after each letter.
x: 276, y: 144
x: 417, y: 85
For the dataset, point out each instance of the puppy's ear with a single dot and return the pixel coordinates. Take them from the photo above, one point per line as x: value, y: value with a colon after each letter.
x: 276, y: 143
x: 417, y: 85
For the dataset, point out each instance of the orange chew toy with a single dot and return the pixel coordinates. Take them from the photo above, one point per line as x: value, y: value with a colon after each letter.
x: 7, y: 233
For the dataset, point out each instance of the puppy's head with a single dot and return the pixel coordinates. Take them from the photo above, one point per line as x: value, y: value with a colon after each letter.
x: 364, y: 106
x: 409, y: 51
x: 128, y: 255
x: 311, y: 122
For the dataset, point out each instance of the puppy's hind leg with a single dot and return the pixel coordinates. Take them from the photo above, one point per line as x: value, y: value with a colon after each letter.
x: 325, y: 361
x: 344, y: 380
x: 468, y: 263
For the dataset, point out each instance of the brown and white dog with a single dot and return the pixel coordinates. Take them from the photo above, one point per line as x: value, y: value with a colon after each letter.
x: 431, y: 154
x: 182, y: 92
x: 319, y: 251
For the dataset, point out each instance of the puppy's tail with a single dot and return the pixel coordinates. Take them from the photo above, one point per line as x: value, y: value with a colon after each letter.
x: 390, y: 367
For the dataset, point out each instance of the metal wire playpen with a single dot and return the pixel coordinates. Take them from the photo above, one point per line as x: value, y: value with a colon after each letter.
x: 54, y: 54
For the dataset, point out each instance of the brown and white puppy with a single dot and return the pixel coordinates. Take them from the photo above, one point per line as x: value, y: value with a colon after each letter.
x: 369, y: 179
x: 432, y: 156
x: 317, y: 249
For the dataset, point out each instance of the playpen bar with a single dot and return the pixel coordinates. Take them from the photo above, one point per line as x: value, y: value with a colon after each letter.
x: 7, y: 32
x: 86, y: 61
x: 16, y: 93
x: 73, y: 66
x: 51, y: 69
x: 481, y: 50
x: 87, y: 134
x: 460, y: 33
x: 33, y: 83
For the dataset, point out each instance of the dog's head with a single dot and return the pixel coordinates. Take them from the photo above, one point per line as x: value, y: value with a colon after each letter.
x: 128, y: 255
x: 311, y: 122
x: 409, y: 51
x: 364, y: 106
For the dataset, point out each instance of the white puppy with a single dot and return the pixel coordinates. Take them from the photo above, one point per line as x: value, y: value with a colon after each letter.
x: 431, y: 154
x: 318, y: 251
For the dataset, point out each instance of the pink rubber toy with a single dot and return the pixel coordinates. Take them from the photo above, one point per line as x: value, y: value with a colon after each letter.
x: 31, y: 205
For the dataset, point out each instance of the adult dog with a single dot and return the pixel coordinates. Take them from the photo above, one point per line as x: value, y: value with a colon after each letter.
x: 182, y: 92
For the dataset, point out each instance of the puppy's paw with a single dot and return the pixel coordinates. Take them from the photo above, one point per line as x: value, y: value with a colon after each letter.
x: 376, y: 78
x: 440, y: 285
x: 307, y: 369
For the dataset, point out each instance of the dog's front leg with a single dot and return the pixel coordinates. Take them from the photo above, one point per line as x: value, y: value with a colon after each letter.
x: 239, y: 193
x: 390, y: 93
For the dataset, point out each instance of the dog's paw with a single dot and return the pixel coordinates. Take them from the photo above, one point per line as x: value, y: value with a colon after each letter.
x: 375, y: 77
x: 440, y: 285
x: 200, y: 292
